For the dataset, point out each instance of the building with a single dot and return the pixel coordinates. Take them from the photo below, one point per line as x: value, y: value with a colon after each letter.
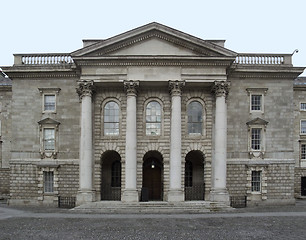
x: 153, y: 114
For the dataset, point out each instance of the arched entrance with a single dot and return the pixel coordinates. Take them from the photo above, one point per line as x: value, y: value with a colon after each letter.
x: 152, y: 177
x: 111, y: 176
x: 194, y: 176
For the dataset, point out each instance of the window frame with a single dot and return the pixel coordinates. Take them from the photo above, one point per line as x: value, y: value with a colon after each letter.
x: 145, y: 104
x: 49, y: 92
x: 261, y: 124
x: 188, y: 173
x: 103, y: 122
x: 201, y: 124
x: 116, y: 174
x: 258, y: 141
x: 302, y: 109
x: 256, y: 181
x: 302, y: 133
x: 257, y: 92
x: 153, y: 122
x: 48, y: 182
x: 48, y: 123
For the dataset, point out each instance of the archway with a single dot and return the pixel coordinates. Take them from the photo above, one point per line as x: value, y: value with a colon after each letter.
x: 194, y: 176
x: 152, y: 177
x: 111, y: 176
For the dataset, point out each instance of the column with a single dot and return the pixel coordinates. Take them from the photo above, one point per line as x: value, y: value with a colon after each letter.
x: 176, y: 193
x: 130, y: 193
x: 86, y: 193
x: 219, y: 191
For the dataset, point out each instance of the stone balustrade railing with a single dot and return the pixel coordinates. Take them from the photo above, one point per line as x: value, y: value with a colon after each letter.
x: 263, y: 59
x: 43, y: 59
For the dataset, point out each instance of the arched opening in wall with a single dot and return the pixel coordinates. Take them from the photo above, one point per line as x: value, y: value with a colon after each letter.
x: 194, y: 176
x: 111, y: 176
x: 152, y: 177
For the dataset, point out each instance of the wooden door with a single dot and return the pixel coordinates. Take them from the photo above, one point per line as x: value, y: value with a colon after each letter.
x: 152, y: 181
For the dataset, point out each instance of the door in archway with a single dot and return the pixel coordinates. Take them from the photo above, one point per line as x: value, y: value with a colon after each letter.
x: 152, y: 179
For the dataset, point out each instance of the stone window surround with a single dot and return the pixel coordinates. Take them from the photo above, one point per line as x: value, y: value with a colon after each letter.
x: 259, y: 124
x: 48, y: 123
x: 49, y: 91
x: 104, y: 102
x: 264, y: 179
x: 147, y: 101
x: 257, y: 91
x: 195, y: 135
x: 45, y: 167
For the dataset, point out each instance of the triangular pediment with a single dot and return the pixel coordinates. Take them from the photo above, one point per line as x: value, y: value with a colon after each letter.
x: 257, y: 121
x: 48, y: 121
x: 153, y: 39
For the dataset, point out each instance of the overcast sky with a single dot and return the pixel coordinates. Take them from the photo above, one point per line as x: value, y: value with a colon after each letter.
x: 259, y: 26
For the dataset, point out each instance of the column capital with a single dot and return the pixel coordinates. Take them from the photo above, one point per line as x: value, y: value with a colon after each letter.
x: 221, y: 88
x: 131, y: 87
x: 175, y: 87
x: 85, y: 88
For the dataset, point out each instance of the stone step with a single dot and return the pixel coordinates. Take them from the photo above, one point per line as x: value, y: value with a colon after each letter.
x: 152, y: 207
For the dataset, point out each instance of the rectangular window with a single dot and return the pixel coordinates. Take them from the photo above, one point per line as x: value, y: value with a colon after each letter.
x: 49, y: 139
x: 256, y: 102
x: 48, y: 182
x: 303, y: 126
x: 256, y: 139
x: 256, y: 181
x: 49, y: 103
x: 303, y: 106
x: 303, y: 151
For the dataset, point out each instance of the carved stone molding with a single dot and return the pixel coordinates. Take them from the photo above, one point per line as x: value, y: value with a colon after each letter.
x: 85, y: 88
x: 221, y: 88
x: 131, y: 87
x: 175, y: 87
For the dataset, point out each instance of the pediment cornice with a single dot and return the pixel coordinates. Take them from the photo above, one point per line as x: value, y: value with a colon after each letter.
x: 153, y: 30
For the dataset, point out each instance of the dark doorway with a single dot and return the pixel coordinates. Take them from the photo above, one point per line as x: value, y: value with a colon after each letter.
x: 111, y: 176
x: 194, y: 176
x: 303, y: 186
x: 152, y: 183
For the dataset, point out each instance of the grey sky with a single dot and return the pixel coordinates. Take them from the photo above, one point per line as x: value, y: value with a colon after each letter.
x: 266, y: 26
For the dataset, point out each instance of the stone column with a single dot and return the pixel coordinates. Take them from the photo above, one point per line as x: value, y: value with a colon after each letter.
x: 176, y: 193
x: 130, y: 193
x: 86, y: 193
x: 219, y: 191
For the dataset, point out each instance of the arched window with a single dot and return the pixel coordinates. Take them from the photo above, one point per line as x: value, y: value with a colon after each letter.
x: 188, y: 173
x: 153, y: 118
x: 195, y: 117
x: 116, y: 174
x: 111, y: 119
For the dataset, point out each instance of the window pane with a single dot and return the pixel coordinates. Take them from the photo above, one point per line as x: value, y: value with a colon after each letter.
x: 303, y: 126
x: 188, y: 174
x: 256, y: 138
x: 48, y: 181
x: 153, y: 118
x: 303, y: 151
x: 195, y: 117
x: 303, y: 106
x: 116, y: 174
x: 256, y: 181
x: 111, y: 118
x: 256, y: 102
x: 49, y: 102
x: 49, y: 139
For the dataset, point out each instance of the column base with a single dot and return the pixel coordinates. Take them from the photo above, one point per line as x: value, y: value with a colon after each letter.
x: 85, y: 197
x: 176, y: 196
x: 220, y: 195
x: 130, y: 195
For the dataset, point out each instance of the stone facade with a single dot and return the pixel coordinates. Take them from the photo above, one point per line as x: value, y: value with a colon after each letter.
x: 121, y: 125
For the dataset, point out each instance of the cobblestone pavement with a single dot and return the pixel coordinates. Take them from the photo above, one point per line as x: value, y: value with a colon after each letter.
x: 286, y: 222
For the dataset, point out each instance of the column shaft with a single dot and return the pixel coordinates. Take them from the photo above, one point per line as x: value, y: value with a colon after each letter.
x: 176, y: 193
x: 130, y: 193
x: 86, y: 193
